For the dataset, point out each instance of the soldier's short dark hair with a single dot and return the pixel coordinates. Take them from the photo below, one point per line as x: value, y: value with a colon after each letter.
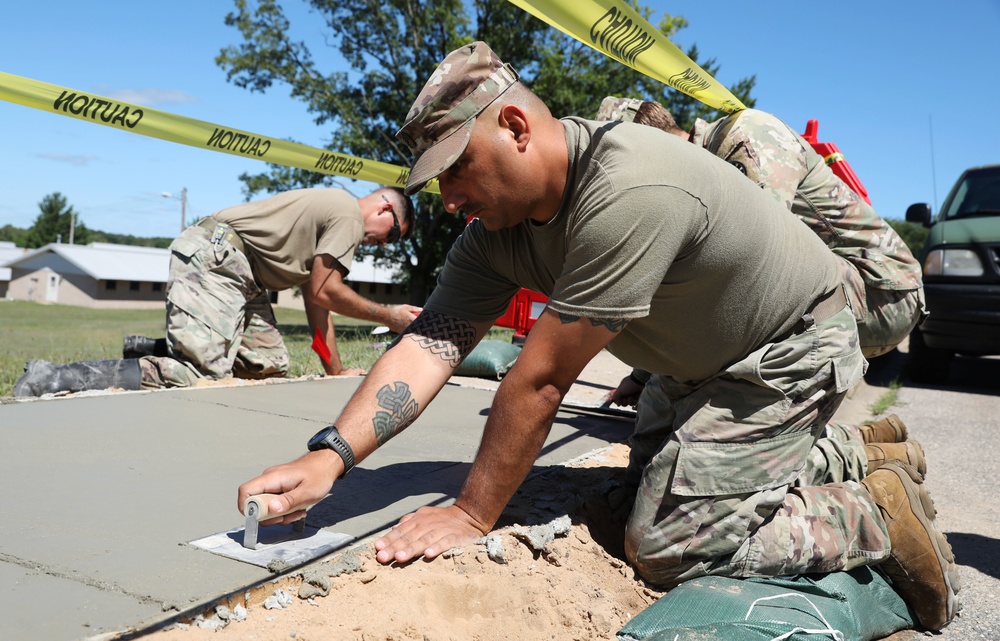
x: 402, y: 205
x: 654, y: 114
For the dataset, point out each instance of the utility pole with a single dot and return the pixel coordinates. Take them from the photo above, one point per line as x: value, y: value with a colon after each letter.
x: 184, y: 200
x: 72, y: 225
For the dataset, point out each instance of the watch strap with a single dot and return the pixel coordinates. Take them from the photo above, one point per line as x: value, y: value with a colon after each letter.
x: 334, y: 441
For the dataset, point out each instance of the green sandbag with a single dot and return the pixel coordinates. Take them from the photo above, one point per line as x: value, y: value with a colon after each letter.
x: 490, y: 359
x: 860, y: 605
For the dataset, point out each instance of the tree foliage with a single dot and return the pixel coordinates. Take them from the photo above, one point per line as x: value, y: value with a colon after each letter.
x: 55, y: 223
x: 19, y: 237
x: 392, y: 47
x: 16, y: 235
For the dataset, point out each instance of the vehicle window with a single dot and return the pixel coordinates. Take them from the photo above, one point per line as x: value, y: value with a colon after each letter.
x: 977, y: 194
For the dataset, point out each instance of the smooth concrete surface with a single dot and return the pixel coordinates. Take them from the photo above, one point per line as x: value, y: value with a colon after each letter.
x: 102, y: 492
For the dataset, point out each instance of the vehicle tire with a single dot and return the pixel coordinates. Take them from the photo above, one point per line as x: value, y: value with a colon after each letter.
x: 928, y: 364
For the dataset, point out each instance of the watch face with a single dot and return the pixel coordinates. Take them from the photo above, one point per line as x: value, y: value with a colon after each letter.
x: 317, y: 440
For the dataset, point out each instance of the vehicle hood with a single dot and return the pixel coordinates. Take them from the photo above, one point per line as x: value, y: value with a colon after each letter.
x: 985, y: 229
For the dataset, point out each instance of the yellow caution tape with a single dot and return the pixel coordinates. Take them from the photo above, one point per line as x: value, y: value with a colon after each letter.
x: 196, y: 133
x: 615, y: 29
x: 834, y: 157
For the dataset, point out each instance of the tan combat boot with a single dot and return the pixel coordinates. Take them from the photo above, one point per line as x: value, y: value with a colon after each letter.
x: 885, y: 430
x: 911, y: 452
x: 921, y: 564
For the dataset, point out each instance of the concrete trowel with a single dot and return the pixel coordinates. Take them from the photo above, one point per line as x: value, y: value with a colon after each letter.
x: 288, y: 544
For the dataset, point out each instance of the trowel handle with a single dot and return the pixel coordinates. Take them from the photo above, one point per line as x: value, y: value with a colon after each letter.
x: 261, y: 500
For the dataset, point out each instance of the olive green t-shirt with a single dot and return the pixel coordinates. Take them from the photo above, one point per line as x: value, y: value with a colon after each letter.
x: 283, y: 233
x: 652, y: 229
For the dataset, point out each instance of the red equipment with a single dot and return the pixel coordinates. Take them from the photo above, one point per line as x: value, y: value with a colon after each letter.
x: 835, y: 160
x: 320, y: 347
x: 524, y: 310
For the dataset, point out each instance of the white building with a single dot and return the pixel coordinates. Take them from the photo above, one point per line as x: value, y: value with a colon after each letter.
x: 127, y: 276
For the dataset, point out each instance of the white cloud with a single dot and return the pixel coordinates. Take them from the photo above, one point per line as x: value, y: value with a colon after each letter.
x: 148, y: 97
x: 71, y: 159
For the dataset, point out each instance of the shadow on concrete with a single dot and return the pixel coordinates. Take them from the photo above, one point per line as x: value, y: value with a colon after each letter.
x: 968, y: 374
x: 976, y: 551
x: 354, y: 495
x: 887, y: 369
x: 562, y: 489
x: 613, y: 428
x: 976, y: 375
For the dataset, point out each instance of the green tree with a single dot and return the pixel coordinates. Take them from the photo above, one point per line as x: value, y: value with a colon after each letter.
x: 392, y: 47
x: 128, y: 239
x: 13, y: 234
x: 55, y: 222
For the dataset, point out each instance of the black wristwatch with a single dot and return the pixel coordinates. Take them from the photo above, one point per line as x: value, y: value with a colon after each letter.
x: 330, y: 438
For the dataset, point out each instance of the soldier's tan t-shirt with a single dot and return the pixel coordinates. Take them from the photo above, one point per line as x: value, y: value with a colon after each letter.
x: 283, y: 233
x: 656, y: 230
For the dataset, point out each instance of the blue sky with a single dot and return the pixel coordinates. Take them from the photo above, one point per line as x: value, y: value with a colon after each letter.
x: 908, y: 91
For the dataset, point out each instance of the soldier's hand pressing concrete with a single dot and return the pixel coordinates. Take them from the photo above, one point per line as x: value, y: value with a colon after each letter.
x: 428, y: 532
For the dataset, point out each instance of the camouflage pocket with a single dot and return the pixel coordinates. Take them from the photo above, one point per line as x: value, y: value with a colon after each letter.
x: 848, y: 370
x: 210, y: 303
x: 723, y: 469
x: 186, y: 247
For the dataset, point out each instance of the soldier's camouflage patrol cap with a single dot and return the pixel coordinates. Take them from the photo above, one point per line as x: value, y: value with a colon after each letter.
x: 439, y: 124
x: 614, y: 109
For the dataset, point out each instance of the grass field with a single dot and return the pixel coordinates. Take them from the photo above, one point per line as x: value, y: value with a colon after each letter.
x: 64, y: 334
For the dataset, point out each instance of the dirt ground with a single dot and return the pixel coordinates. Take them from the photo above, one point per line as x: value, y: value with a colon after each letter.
x: 574, y: 586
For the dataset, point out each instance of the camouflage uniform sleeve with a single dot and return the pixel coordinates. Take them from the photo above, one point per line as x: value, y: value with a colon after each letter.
x: 767, y: 151
x: 789, y: 169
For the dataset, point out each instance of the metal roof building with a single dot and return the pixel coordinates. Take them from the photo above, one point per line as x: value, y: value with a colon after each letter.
x: 95, y: 275
x: 109, y: 275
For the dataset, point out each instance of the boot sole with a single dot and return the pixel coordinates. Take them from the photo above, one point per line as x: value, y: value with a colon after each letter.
x: 918, y: 496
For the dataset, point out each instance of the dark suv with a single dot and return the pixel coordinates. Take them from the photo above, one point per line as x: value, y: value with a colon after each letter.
x: 961, y: 261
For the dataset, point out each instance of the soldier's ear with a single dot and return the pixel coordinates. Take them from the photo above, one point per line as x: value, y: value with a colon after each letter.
x: 515, y: 120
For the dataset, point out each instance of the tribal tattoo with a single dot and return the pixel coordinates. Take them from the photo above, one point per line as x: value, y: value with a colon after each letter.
x: 400, y: 411
x: 447, y: 337
x: 611, y: 324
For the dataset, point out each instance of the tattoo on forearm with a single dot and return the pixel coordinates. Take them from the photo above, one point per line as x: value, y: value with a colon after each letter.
x: 400, y: 411
x: 612, y: 324
x: 447, y: 337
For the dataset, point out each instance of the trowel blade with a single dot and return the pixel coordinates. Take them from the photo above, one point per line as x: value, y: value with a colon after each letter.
x: 275, y: 543
x: 250, y: 530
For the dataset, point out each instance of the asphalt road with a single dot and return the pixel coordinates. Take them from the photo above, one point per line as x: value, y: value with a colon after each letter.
x: 959, y: 426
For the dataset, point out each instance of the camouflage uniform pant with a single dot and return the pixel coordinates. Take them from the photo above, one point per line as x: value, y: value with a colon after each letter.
x: 718, y: 468
x: 839, y: 455
x: 885, y: 316
x: 219, y: 322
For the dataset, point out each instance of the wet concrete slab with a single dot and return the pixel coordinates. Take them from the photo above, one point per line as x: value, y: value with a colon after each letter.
x: 103, y: 492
